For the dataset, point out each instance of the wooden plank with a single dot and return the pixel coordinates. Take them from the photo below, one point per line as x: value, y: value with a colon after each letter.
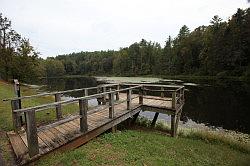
x: 53, y: 137
x: 24, y: 137
x: 47, y: 140
x: 65, y: 133
x: 19, y: 147
x: 158, y: 109
x: 43, y: 146
x: 86, y: 137
x: 67, y: 119
x: 72, y: 129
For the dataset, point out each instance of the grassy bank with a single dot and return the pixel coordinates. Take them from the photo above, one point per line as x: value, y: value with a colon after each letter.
x: 133, y: 147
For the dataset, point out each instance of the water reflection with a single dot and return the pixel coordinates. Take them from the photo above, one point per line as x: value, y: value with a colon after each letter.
x: 219, y: 103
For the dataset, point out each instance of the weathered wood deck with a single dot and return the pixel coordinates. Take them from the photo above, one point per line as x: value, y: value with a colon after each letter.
x: 74, y: 131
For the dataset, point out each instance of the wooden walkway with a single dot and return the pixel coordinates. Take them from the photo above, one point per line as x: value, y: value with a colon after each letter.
x: 74, y: 131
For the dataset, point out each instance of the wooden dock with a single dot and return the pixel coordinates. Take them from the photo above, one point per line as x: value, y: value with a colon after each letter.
x: 116, y: 103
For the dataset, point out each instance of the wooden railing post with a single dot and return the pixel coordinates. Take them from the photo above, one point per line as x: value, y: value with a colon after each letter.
x: 104, y: 96
x: 15, y: 116
x: 129, y: 92
x: 141, y: 95
x: 162, y: 92
x: 59, y: 106
x: 86, y: 93
x: 117, y: 94
x: 31, y: 131
x: 83, y: 107
x: 174, y: 100
x: 98, y: 99
x: 111, y: 105
x: 182, y: 97
x: 17, y: 90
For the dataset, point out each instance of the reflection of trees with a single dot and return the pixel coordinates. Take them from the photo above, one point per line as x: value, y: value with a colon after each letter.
x: 60, y: 84
x: 223, y: 104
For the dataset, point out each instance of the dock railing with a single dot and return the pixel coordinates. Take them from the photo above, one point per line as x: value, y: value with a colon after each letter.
x: 31, y: 126
x: 103, y: 94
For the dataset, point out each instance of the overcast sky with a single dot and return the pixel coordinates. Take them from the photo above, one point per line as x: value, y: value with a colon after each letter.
x: 64, y: 26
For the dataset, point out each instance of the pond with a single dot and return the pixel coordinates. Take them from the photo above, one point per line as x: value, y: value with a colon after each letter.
x: 220, y: 104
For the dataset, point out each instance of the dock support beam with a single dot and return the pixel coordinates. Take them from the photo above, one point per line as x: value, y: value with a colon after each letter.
x: 155, y: 119
x: 134, y: 118
x: 173, y: 125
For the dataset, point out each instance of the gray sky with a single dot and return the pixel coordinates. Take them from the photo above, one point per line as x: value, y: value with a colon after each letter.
x: 64, y: 26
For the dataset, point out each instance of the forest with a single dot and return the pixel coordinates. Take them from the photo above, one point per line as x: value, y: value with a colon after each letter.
x: 221, y: 48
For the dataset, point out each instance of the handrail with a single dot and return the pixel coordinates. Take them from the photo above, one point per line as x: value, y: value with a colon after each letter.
x: 59, y: 92
x: 155, y: 85
x: 44, y: 106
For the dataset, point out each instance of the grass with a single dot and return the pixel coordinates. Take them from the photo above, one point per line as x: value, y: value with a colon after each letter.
x: 132, y: 147
x: 237, y: 141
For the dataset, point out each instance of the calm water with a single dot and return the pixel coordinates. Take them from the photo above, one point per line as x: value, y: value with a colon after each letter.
x: 218, y: 103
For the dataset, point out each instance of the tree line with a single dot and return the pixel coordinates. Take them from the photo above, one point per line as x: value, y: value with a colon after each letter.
x: 18, y: 59
x: 221, y: 48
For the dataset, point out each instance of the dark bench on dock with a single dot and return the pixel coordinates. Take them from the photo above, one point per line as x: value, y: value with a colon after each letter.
x: 116, y: 103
